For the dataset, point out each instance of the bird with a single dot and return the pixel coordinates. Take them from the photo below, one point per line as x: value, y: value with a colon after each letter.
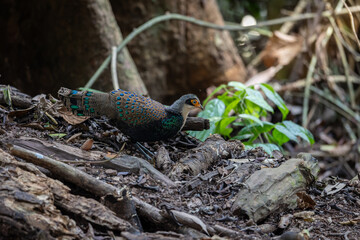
x: 141, y: 118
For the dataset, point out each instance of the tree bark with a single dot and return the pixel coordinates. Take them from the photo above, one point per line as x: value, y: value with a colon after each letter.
x: 50, y: 44
x: 176, y: 57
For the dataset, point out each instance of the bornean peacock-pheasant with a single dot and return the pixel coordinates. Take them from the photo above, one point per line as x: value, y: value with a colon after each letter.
x: 139, y: 117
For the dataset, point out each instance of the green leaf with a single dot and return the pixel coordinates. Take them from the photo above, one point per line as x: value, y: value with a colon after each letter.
x: 256, y: 97
x: 257, y: 128
x: 254, y: 130
x: 251, y: 117
x: 90, y: 89
x: 282, y: 134
x: 215, y: 108
x: 237, y: 85
x: 299, y: 131
x: 213, y: 111
x: 268, y: 147
x: 280, y: 127
x: 279, y: 138
x: 227, y: 99
x: 275, y: 98
x: 57, y: 135
x: 231, y: 106
x: 223, y: 126
x: 254, y: 109
x: 7, y: 96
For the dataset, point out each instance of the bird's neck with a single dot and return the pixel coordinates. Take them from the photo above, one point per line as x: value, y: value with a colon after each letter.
x: 180, y: 107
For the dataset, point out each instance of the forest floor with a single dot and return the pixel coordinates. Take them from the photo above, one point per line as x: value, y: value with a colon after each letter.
x: 208, y: 195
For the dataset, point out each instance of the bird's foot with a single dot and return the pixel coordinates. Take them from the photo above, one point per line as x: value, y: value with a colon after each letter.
x: 146, y: 152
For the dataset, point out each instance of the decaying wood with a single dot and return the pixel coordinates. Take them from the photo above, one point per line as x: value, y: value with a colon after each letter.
x: 57, y: 150
x: 123, y: 163
x: 153, y: 236
x: 197, y: 181
x: 170, y: 219
x: 196, y: 124
x: 223, y: 231
x: 19, y: 101
x: 138, y: 165
x: 116, y: 199
x: 270, y: 189
x: 200, y: 158
x: 100, y: 188
x: 35, y: 200
x: 163, y: 160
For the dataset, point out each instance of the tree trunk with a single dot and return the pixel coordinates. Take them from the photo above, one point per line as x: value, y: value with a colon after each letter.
x: 176, y: 57
x: 49, y: 44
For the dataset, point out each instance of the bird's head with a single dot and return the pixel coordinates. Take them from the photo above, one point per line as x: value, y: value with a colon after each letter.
x: 186, y: 103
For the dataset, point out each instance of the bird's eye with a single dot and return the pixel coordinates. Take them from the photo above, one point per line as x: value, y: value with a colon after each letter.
x: 194, y: 102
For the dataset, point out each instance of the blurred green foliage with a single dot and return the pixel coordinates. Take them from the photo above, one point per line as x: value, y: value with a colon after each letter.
x: 244, y: 109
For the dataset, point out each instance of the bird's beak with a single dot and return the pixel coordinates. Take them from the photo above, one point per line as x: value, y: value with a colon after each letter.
x: 198, y: 105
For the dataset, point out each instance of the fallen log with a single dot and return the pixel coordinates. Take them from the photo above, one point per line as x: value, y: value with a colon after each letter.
x: 207, y: 153
x: 168, y: 219
x: 116, y: 199
x: 123, y: 162
x: 196, y: 124
x: 30, y: 204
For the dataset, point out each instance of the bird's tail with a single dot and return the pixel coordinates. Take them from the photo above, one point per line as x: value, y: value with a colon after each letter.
x: 85, y: 103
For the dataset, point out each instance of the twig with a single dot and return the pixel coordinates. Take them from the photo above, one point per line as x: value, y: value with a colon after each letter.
x: 113, y: 69
x: 66, y: 172
x: 353, y: 116
x: 307, y: 90
x: 337, y: 32
x: 302, y: 82
x: 341, y: 234
x: 173, y: 16
x: 339, y: 39
x: 298, y: 9
x: 352, y: 23
x: 95, y: 162
x: 347, y: 72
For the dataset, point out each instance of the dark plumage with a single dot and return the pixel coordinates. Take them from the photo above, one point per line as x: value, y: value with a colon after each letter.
x: 139, y: 117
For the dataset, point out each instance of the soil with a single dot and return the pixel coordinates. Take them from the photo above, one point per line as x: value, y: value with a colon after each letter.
x: 334, y: 214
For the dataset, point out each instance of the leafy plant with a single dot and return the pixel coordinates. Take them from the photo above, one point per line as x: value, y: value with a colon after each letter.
x: 244, y: 108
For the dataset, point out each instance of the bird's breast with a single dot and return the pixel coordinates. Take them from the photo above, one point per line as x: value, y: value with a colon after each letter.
x: 155, y: 130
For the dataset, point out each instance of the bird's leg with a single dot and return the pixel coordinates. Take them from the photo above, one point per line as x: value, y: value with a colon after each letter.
x: 146, y: 152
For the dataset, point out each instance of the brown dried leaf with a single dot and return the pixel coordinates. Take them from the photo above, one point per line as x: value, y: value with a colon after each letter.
x: 87, y: 145
x: 111, y: 155
x: 20, y: 113
x: 304, y: 201
x: 305, y: 215
x: 70, y: 117
x: 264, y: 76
x: 73, y: 137
x: 281, y: 49
x: 34, y: 125
x: 351, y: 222
x: 332, y: 189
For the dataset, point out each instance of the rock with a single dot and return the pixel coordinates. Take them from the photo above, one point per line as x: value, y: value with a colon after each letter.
x: 111, y: 172
x: 268, y: 190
